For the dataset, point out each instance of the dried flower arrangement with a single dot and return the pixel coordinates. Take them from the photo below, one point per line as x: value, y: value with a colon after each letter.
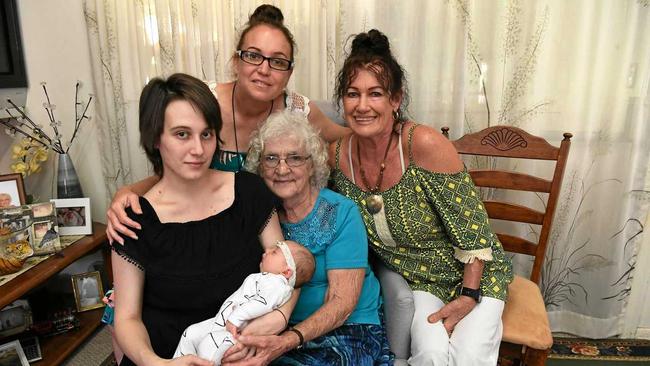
x: 21, y: 124
x: 33, y: 146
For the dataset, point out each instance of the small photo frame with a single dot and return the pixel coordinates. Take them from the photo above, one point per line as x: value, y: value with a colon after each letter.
x: 45, y: 232
x: 11, y: 354
x: 44, y: 209
x: 15, y: 318
x: 88, y: 290
x: 73, y: 216
x: 13, y: 219
x: 12, y: 190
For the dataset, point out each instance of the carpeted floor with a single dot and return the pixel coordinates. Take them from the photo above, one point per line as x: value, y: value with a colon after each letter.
x: 95, y: 351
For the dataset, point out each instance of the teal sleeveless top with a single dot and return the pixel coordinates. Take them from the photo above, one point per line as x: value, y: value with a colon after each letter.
x: 228, y: 161
x: 233, y: 161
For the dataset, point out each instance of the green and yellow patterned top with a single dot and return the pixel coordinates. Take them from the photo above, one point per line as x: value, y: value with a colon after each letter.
x: 436, y: 224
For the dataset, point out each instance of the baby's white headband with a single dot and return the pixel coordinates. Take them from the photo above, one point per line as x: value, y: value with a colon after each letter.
x: 290, y: 262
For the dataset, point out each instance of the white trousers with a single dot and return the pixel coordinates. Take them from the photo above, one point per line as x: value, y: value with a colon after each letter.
x: 206, y: 340
x: 474, y: 341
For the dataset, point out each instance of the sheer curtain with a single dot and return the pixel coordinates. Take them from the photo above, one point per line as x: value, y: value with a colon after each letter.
x: 545, y: 66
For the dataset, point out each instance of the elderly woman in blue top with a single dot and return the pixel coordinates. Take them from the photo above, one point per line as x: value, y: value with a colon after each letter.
x: 335, y: 321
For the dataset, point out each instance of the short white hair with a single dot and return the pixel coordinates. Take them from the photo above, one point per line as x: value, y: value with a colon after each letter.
x: 291, y: 124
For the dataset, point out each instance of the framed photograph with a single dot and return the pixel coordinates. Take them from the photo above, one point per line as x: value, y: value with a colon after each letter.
x: 46, y: 237
x: 15, y: 240
x: 88, y: 291
x: 11, y: 354
x: 15, y: 318
x: 12, y: 190
x: 73, y: 216
x: 13, y: 219
x: 44, y: 209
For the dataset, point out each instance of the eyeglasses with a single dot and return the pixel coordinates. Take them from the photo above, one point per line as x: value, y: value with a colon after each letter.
x: 272, y: 161
x: 255, y: 58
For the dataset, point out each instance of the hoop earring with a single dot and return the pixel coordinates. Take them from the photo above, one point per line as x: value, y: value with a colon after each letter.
x: 396, y: 115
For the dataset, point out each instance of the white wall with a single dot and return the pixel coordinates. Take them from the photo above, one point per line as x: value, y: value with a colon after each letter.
x: 56, y: 51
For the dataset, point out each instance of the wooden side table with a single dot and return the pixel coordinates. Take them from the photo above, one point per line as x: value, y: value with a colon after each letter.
x: 57, y: 348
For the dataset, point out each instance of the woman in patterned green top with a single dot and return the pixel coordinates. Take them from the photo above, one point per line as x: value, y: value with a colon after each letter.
x: 423, y: 215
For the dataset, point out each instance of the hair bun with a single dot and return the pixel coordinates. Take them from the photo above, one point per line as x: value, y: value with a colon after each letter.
x: 373, y: 42
x: 266, y: 13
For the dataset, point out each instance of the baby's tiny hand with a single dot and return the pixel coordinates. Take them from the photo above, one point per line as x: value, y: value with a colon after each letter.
x: 232, y: 328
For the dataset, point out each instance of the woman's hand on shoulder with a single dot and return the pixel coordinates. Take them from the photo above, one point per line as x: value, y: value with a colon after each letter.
x: 117, y: 220
x: 433, y: 151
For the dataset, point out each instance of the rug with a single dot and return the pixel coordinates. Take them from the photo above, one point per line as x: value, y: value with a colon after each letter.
x: 601, y: 349
x: 109, y: 361
x: 94, y: 351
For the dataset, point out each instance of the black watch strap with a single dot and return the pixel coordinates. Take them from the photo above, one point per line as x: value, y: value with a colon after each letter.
x: 471, y: 292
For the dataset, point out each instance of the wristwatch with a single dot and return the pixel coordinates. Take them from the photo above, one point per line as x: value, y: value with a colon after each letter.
x: 471, y: 292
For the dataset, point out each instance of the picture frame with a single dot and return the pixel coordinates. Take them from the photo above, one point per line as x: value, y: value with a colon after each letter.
x: 36, y: 223
x: 73, y: 216
x: 12, y: 190
x: 15, y: 318
x: 16, y: 238
x: 12, y: 354
x: 45, y: 231
x: 88, y: 290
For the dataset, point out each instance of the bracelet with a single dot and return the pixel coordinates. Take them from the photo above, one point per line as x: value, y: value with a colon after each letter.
x: 300, y: 336
x: 286, y: 322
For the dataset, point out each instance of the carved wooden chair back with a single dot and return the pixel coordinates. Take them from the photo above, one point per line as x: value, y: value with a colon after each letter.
x: 527, y: 337
x: 512, y: 142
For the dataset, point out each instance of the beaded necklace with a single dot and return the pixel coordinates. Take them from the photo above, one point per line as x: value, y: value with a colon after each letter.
x: 382, y: 167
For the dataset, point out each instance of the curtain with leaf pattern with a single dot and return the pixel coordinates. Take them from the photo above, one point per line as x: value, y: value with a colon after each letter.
x: 547, y: 66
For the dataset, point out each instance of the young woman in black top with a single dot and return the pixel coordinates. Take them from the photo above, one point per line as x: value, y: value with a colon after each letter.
x: 201, y: 228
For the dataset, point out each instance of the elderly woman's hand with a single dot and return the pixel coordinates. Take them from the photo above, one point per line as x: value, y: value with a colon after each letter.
x: 268, y: 348
x: 453, y: 312
x: 237, y: 353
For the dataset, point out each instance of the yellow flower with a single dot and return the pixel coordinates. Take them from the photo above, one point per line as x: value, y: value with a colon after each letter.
x: 34, y: 166
x: 20, y: 167
x: 28, y: 156
x: 40, y: 154
x: 18, y: 151
x: 25, y: 142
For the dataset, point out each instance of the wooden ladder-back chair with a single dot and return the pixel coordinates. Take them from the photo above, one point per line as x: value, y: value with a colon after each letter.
x: 527, y: 335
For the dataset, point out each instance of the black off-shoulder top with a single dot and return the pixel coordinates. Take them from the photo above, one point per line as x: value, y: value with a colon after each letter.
x: 192, y: 267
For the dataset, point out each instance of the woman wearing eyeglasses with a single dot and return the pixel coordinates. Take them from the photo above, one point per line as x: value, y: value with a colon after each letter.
x: 263, y: 63
x: 336, y: 320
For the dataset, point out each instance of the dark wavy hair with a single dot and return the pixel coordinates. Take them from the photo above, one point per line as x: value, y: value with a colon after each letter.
x: 271, y: 16
x: 155, y: 98
x: 371, y: 51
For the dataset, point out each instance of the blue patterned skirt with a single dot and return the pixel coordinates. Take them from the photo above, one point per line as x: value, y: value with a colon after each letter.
x: 348, y: 345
